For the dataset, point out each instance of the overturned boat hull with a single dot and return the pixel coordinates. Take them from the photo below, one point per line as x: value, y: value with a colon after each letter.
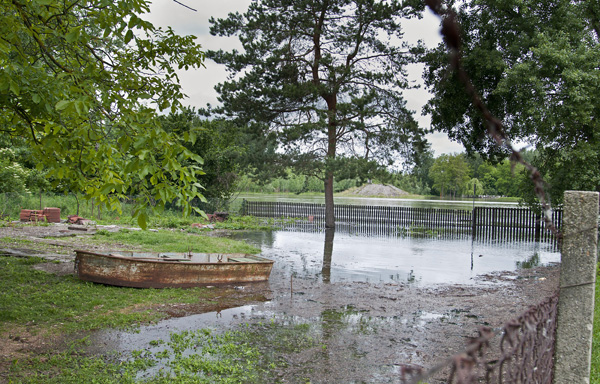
x: 162, y: 270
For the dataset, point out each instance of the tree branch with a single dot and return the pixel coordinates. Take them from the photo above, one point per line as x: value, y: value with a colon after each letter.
x: 495, y: 128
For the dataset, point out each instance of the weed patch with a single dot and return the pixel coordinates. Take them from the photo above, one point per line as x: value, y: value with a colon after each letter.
x: 253, y: 354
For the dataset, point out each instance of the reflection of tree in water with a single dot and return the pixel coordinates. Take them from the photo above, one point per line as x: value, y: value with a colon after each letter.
x: 533, y: 261
x: 327, y: 252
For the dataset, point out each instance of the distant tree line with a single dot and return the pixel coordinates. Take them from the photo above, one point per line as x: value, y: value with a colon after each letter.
x: 458, y: 175
x: 293, y: 183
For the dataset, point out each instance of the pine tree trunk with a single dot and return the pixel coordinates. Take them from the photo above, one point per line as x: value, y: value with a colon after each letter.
x: 329, y: 206
x: 331, y: 147
x: 327, y: 253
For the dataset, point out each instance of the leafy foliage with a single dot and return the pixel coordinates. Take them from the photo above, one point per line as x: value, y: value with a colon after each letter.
x: 450, y: 174
x: 80, y: 83
x: 318, y: 80
x: 535, y: 63
x: 221, y: 147
x: 18, y: 173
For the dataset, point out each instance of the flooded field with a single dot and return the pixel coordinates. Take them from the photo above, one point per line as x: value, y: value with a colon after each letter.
x: 421, y: 261
x: 341, y: 308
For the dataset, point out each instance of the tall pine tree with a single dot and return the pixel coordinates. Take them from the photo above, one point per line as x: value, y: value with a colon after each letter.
x: 320, y: 82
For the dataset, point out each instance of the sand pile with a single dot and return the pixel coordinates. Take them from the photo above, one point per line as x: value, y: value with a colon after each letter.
x: 379, y: 190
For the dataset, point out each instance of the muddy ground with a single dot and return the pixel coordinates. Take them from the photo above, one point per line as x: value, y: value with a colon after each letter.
x: 379, y: 328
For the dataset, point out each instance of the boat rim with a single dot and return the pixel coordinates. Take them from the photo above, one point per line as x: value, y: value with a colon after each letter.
x: 259, y: 259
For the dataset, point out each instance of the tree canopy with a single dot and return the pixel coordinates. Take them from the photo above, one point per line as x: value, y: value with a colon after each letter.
x: 81, y: 82
x: 221, y: 147
x: 536, y: 66
x: 450, y: 175
x: 319, y: 81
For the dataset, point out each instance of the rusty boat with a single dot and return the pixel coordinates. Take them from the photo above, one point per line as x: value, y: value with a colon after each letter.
x: 170, y: 269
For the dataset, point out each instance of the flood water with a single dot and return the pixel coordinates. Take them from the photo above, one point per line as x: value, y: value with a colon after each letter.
x: 370, y: 304
x: 342, y: 257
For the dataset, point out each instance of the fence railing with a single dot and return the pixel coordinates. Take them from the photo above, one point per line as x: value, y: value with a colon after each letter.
x: 512, y: 224
x: 482, y: 223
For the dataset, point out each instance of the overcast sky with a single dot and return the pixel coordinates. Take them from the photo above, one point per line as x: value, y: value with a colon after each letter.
x: 199, y: 84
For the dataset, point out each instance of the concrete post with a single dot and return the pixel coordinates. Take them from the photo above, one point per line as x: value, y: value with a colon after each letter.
x: 577, y: 283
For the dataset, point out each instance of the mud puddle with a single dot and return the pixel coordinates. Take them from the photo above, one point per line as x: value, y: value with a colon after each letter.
x: 358, y: 310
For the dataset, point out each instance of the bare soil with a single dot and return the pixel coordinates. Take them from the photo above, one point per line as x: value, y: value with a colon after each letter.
x: 406, y: 325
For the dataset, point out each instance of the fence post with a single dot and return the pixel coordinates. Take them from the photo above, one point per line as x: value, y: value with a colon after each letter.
x: 577, y: 283
x: 244, y: 207
x: 538, y: 227
x: 474, y: 225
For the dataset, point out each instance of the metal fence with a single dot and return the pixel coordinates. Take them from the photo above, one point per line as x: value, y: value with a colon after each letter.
x: 482, y: 223
x: 524, y: 354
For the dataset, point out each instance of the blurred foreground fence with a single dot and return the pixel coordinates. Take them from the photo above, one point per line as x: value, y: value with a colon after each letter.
x: 524, y: 353
x: 551, y: 343
x: 484, y: 223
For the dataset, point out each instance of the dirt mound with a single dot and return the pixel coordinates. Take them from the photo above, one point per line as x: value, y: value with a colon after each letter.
x: 379, y: 190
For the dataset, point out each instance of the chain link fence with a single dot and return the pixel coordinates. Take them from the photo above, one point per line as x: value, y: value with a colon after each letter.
x: 524, y: 354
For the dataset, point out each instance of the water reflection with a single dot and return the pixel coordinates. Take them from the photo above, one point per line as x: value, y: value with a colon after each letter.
x: 346, y: 257
x: 531, y: 262
x: 327, y: 254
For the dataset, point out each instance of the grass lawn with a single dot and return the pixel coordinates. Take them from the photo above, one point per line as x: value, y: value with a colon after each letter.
x: 173, y: 241
x: 65, y: 305
x: 39, y: 308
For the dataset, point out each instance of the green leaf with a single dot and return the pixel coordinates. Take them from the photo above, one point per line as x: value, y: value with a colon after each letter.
x: 143, y: 153
x: 36, y: 98
x: 128, y: 36
x: 73, y: 35
x: 14, y: 88
x: 62, y: 105
x: 142, y: 220
x: 4, y: 83
x: 108, y: 188
x: 200, y: 212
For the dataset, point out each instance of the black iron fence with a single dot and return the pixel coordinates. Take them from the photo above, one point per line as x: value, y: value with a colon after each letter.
x: 512, y: 224
x: 482, y: 223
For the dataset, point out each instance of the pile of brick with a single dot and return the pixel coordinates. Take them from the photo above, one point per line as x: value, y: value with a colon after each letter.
x: 51, y: 215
